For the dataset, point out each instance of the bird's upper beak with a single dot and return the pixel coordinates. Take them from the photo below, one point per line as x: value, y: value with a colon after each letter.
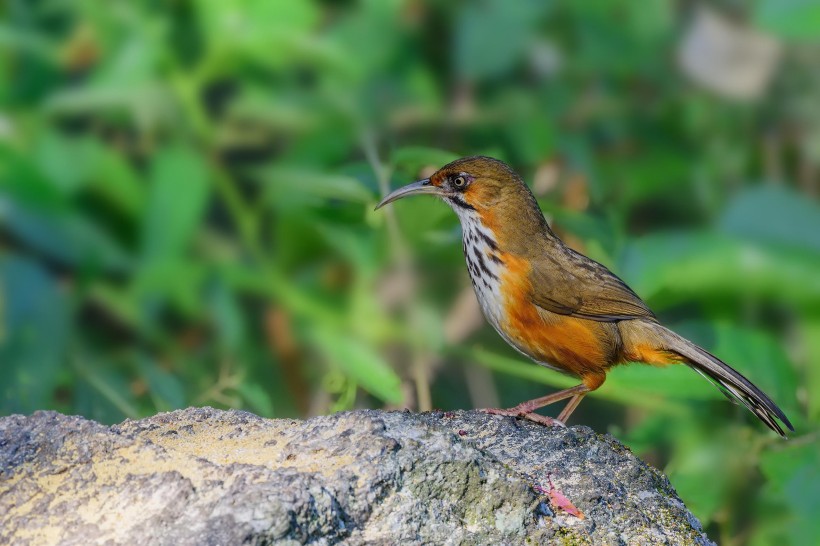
x: 422, y: 186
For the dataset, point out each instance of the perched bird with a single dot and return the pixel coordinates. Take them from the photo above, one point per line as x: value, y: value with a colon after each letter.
x: 554, y: 305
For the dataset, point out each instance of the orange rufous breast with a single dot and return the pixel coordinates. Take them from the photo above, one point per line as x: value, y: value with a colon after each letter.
x: 577, y: 346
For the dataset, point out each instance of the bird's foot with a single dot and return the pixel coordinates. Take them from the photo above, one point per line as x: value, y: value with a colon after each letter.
x: 520, y: 410
x: 530, y: 416
x: 544, y: 420
x: 512, y: 412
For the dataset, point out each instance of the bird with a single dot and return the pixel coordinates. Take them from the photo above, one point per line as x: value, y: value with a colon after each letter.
x: 556, y: 306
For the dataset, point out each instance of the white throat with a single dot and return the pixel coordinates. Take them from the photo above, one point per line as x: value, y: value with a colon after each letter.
x: 484, y: 264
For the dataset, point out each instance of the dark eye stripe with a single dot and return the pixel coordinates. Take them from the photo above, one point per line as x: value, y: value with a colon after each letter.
x: 461, y: 203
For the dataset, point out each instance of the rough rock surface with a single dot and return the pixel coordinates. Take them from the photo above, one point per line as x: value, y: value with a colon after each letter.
x: 204, y: 476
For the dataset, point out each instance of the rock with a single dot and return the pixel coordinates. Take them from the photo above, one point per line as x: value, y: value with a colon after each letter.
x: 204, y: 476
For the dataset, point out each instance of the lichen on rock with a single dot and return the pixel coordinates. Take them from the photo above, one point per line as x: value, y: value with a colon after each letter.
x: 205, y: 476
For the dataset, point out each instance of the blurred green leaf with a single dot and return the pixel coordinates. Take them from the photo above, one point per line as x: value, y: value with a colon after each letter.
x: 703, y: 468
x: 116, y: 181
x: 228, y: 318
x: 34, y: 334
x: 177, y: 282
x: 147, y: 106
x: 281, y: 112
x: 165, y: 389
x: 116, y: 301
x: 257, y: 399
x: 65, y: 236
x: 412, y: 159
x: 64, y: 161
x: 671, y: 268
x: 359, y: 363
x: 354, y: 245
x: 69, y: 164
x: 656, y: 173
x: 810, y: 333
x: 532, y: 137
x: 793, y: 472
x: 784, y: 462
x: 476, y: 56
x: 23, y: 183
x: 134, y: 63
x: 375, y: 23
x: 179, y: 193
x: 270, y: 32
x: 671, y: 382
x: 101, y: 389
x: 789, y: 19
x: 271, y: 285
x: 26, y: 40
x: 774, y: 214
x: 253, y: 21
x: 287, y: 186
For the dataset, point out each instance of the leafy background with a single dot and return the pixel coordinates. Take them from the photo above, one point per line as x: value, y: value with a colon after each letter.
x: 186, y: 195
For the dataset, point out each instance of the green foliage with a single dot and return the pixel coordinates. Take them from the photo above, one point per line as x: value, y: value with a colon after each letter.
x: 791, y: 19
x: 35, y: 335
x: 186, y: 195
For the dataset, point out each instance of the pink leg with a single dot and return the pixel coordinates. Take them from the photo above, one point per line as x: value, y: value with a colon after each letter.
x: 526, y: 409
x: 570, y: 407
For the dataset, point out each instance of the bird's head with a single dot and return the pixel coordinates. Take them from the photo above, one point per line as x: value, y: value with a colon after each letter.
x: 470, y: 183
x: 481, y: 189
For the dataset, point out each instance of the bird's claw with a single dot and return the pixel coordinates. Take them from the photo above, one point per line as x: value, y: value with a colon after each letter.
x: 544, y: 420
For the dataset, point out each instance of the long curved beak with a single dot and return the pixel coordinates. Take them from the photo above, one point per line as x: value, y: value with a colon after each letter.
x: 422, y: 186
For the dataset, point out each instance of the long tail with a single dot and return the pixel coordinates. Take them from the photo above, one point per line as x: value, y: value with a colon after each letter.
x: 728, y: 380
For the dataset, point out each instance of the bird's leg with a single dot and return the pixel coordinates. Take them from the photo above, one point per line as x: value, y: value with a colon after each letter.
x: 570, y: 407
x: 526, y: 409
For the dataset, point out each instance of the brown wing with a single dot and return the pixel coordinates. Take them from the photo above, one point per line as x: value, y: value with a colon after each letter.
x: 572, y: 284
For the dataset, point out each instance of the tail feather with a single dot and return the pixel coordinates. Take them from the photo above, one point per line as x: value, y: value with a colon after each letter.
x: 728, y: 380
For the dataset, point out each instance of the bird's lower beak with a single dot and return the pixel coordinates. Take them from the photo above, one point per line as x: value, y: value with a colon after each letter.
x: 422, y: 186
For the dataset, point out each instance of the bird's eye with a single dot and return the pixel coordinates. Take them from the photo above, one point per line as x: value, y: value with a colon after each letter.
x: 459, y: 181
